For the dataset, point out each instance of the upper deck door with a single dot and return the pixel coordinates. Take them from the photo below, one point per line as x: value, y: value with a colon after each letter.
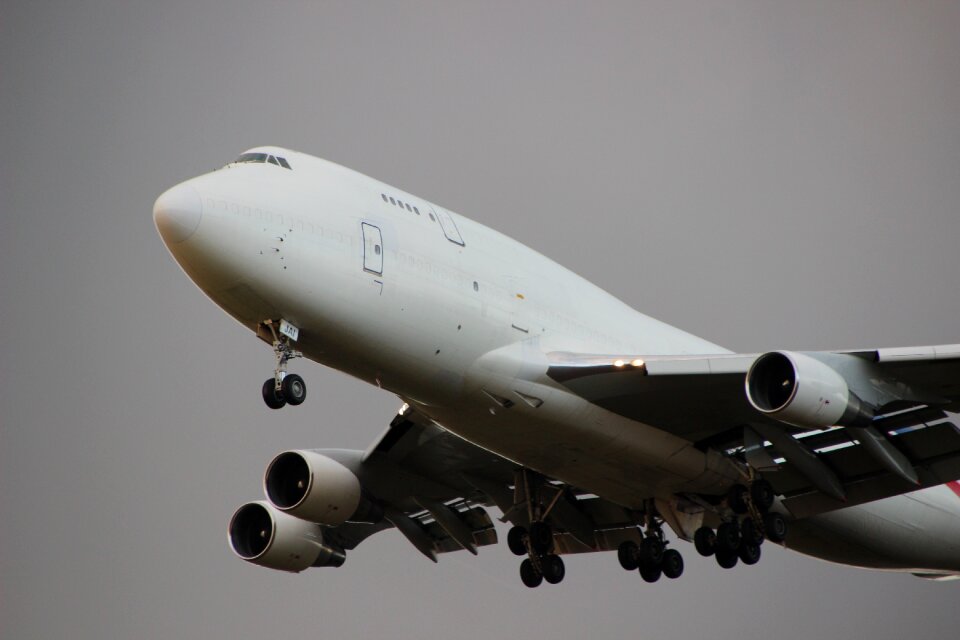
x: 372, y: 249
x: 448, y: 225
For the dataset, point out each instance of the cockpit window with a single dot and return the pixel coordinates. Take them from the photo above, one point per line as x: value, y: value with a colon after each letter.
x: 264, y: 157
x: 252, y: 157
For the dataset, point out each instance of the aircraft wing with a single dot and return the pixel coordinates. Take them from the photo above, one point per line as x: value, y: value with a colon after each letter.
x: 437, y: 487
x: 906, y: 444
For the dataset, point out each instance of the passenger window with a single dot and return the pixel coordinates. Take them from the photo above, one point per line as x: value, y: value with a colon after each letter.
x: 408, y: 208
x: 432, y: 218
x: 392, y: 201
x: 416, y: 211
x: 384, y: 196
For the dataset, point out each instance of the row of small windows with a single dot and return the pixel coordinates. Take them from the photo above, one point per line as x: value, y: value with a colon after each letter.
x: 264, y: 157
x: 402, y: 205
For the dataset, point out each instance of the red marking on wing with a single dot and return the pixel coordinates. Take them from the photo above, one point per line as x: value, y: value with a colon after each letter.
x: 955, y: 487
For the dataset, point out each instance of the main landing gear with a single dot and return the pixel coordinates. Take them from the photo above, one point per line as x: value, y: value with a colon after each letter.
x: 537, y: 542
x: 739, y: 540
x: 651, y: 557
x: 283, y: 388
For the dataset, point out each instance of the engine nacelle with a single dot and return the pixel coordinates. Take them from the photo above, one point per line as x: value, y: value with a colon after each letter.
x: 802, y: 391
x: 260, y: 534
x: 314, y: 487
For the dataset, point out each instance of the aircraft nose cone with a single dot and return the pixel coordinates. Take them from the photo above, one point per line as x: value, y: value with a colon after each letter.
x: 177, y: 213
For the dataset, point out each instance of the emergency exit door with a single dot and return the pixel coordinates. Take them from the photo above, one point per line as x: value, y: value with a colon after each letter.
x: 372, y: 249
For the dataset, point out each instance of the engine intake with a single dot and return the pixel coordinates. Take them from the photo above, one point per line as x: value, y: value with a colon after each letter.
x: 800, y: 390
x: 260, y: 534
x: 314, y: 487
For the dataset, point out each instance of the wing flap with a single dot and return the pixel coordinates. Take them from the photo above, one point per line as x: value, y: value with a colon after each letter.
x: 934, y: 452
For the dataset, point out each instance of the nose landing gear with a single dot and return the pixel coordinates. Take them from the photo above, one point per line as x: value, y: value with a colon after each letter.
x: 283, y: 388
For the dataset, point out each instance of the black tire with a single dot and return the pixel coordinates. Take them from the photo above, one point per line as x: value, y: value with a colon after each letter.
x: 705, y: 540
x: 541, y: 537
x: 775, y: 526
x: 749, y: 553
x: 737, y: 498
x: 762, y: 494
x: 553, y: 569
x: 516, y: 541
x: 727, y: 559
x: 672, y: 564
x: 529, y: 575
x: 728, y: 537
x: 628, y: 553
x: 651, y: 551
x: 271, y: 396
x: 294, y: 389
x: 650, y: 572
x: 750, y: 533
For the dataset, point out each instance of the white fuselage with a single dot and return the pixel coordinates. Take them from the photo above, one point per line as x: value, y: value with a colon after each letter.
x: 455, y: 318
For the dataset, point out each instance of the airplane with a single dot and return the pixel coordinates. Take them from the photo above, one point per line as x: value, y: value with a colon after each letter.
x: 589, y: 426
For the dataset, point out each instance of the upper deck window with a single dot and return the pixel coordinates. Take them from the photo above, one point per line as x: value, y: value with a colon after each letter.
x: 264, y: 157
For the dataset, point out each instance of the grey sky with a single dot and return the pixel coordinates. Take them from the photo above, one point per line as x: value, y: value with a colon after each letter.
x: 763, y: 175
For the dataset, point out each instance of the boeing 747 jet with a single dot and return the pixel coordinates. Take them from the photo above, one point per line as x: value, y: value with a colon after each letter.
x: 587, y: 425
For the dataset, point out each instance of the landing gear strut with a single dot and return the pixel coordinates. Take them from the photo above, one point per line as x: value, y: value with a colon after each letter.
x: 283, y: 388
x: 651, y: 557
x: 737, y: 540
x: 537, y: 541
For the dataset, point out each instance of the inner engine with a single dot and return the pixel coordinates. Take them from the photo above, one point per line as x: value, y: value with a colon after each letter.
x: 315, y: 487
x: 800, y: 390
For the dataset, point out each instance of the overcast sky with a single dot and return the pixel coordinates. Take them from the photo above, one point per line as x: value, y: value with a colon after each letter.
x: 764, y: 175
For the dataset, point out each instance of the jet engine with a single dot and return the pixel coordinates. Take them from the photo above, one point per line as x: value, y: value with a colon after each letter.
x: 260, y: 534
x: 800, y: 390
x: 314, y: 487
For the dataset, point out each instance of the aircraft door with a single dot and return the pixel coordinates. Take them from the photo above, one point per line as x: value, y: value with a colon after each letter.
x: 449, y: 226
x: 372, y: 249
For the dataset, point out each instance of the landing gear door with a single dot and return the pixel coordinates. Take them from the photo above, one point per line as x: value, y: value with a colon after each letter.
x: 372, y: 249
x: 449, y: 226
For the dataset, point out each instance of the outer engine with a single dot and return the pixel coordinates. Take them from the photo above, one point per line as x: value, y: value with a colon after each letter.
x: 314, y: 487
x: 802, y: 391
x: 260, y: 534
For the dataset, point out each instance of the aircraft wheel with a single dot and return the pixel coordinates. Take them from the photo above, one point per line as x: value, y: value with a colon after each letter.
x: 650, y: 572
x: 672, y: 564
x: 727, y: 559
x: 728, y: 537
x: 749, y: 553
x: 529, y: 574
x: 541, y: 537
x: 553, y: 569
x: 750, y: 533
x: 651, y: 551
x: 762, y: 494
x: 628, y: 554
x: 271, y: 396
x: 515, y: 541
x: 776, y: 526
x: 737, y: 498
x: 294, y: 389
x: 705, y: 540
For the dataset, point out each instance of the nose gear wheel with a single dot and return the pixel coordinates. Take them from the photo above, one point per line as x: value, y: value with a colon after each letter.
x: 282, y: 388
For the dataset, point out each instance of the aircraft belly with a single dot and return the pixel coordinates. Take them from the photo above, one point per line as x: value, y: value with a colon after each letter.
x: 905, y: 532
